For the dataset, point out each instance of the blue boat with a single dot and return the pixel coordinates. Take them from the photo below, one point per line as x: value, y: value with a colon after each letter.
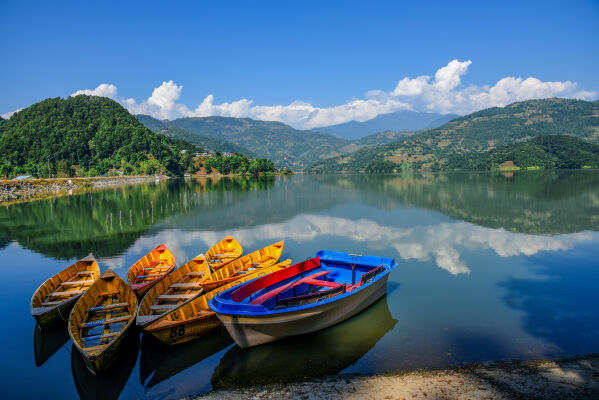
x: 303, y: 298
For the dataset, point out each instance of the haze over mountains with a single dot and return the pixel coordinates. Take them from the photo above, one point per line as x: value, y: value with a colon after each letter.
x: 400, y: 121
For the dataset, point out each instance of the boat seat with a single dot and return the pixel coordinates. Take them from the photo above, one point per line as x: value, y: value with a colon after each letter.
x: 96, y: 337
x: 156, y: 268
x: 195, y: 273
x: 75, y: 283
x: 176, y: 296
x: 85, y: 273
x: 148, y: 276
x: 226, y: 255
x: 108, y: 307
x: 318, y: 282
x: 204, y: 312
x: 52, y: 303
x: 67, y: 293
x: 186, y: 286
x: 157, y: 261
x: 163, y: 306
x: 105, y: 321
x: 104, y: 294
x: 266, y: 296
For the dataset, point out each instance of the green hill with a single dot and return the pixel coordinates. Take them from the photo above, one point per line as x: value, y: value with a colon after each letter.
x: 74, y: 134
x: 281, y: 143
x: 207, y: 142
x: 550, y: 151
x: 478, y: 132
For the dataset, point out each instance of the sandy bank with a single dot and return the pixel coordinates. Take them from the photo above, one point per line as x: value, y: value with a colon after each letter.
x: 562, y: 378
x: 31, y: 189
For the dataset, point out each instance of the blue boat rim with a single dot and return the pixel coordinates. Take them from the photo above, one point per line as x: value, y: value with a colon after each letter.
x: 223, y: 304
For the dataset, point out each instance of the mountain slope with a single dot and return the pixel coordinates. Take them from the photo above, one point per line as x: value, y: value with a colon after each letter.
x: 85, y: 131
x: 396, y: 121
x: 548, y: 151
x: 281, y: 143
x: 206, y: 142
x: 479, y: 131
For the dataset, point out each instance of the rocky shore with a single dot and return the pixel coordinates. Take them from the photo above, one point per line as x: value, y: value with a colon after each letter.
x: 31, y: 189
x: 561, y: 378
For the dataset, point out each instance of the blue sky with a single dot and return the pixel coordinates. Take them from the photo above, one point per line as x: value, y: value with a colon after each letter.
x: 304, y: 63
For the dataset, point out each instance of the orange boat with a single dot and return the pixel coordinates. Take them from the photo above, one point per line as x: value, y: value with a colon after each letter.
x: 150, y: 269
x: 223, y: 252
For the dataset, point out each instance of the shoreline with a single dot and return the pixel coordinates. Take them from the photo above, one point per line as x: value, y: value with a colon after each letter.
x: 34, y: 189
x: 574, y: 377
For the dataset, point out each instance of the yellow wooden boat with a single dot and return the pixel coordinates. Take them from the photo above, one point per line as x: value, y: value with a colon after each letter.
x: 195, y: 319
x: 100, y: 320
x: 196, y: 277
x: 150, y: 269
x: 258, y: 259
x: 223, y: 252
x: 181, y: 285
x: 53, y: 300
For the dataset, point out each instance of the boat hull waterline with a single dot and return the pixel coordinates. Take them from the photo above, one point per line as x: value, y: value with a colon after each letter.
x: 254, y: 331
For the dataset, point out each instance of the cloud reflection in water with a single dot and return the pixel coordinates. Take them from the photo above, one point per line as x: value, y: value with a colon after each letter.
x: 439, y: 242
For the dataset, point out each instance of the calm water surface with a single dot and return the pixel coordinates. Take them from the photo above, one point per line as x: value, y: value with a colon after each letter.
x: 490, y: 266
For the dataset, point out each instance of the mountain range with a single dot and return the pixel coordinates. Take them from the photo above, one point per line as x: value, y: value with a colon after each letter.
x: 286, y: 146
x: 400, y: 121
x: 477, y: 132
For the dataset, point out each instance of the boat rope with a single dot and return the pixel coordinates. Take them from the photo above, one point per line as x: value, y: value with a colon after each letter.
x: 60, y: 314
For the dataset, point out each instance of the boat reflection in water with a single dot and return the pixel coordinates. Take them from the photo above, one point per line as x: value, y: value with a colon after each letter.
x: 161, y: 362
x: 111, y: 382
x: 321, y: 353
x: 46, y: 342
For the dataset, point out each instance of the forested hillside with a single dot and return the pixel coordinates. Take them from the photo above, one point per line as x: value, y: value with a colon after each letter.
x: 82, y: 133
x: 550, y: 151
x: 477, y: 132
x: 273, y: 140
x: 176, y: 132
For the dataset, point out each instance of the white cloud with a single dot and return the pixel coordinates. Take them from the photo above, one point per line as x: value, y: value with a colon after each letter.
x: 10, y: 113
x: 104, y: 90
x: 443, y: 93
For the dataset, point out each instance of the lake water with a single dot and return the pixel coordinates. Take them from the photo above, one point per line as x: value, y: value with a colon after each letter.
x: 491, y: 266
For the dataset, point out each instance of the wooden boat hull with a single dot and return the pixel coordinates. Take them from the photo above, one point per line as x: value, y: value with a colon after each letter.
x: 100, y: 357
x: 194, y: 319
x: 144, y: 315
x: 256, y: 330
x: 143, y: 266
x: 55, y: 316
x: 51, y: 316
